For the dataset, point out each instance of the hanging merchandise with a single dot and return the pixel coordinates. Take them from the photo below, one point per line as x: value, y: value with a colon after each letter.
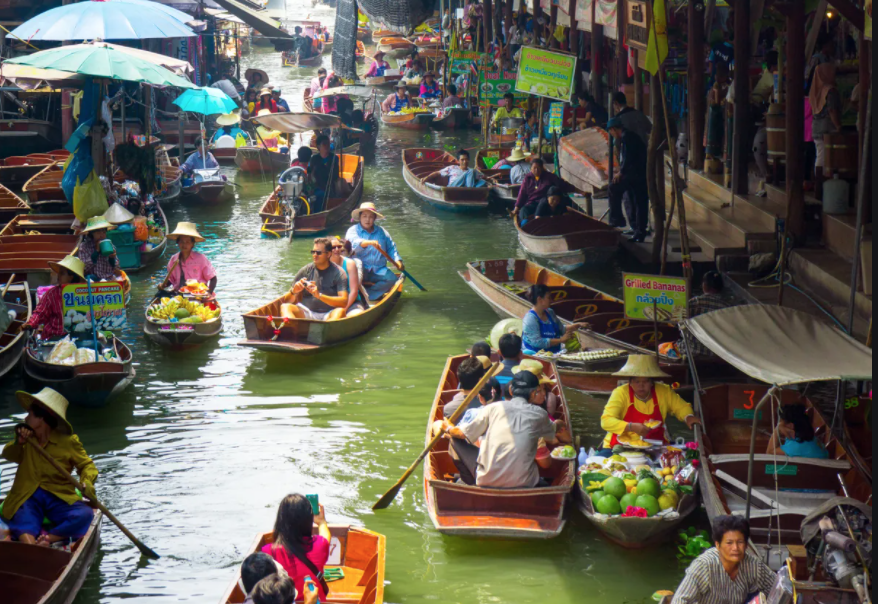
x: 605, y: 13
x: 89, y: 199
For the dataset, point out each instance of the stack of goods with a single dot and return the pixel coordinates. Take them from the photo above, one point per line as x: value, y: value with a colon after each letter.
x: 195, y: 288
x: 410, y: 111
x: 639, y: 485
x: 587, y: 356
x: 66, y: 353
x: 180, y: 310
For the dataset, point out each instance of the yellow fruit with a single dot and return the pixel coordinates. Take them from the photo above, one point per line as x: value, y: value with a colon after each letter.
x: 666, y: 503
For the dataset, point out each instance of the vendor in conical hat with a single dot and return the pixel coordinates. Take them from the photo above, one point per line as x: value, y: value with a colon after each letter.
x: 187, y: 264
x: 641, y: 406
x: 50, y: 311
x: 378, y: 67
x: 228, y: 126
x: 100, y: 263
x: 366, y: 238
x: 39, y: 491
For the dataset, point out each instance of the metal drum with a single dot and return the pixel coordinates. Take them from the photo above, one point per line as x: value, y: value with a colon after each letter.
x: 842, y: 154
x: 776, y: 125
x: 510, y: 125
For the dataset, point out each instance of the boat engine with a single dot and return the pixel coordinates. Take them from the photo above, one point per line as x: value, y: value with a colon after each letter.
x: 292, y: 184
x: 845, y: 560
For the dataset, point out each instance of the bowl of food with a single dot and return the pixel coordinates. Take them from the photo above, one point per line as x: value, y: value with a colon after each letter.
x: 566, y: 453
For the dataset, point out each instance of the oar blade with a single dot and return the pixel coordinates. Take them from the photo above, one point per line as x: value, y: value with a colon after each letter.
x: 388, y: 498
x: 146, y: 551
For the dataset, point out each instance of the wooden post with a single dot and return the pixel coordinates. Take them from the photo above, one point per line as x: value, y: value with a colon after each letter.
x: 181, y: 132
x: 655, y: 174
x: 488, y: 18
x: 816, y: 28
x: 697, y: 96
x: 865, y: 84
x: 124, y: 118
x: 542, y: 110
x: 597, y: 45
x: 574, y: 36
x: 795, y: 116
x: 509, y: 23
x: 741, y: 137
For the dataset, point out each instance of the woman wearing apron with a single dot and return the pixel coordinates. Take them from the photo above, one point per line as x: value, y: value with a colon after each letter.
x: 541, y: 328
x: 642, y: 405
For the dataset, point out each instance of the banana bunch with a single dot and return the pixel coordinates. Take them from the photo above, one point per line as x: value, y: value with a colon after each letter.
x: 410, y: 111
x: 166, y: 309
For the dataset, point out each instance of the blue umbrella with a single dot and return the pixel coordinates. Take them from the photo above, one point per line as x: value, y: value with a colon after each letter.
x: 205, y: 101
x: 116, y: 20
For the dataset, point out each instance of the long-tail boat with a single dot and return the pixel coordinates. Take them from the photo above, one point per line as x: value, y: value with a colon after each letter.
x: 360, y: 555
x: 11, y: 205
x: 569, y: 241
x: 44, y: 192
x: 419, y: 120
x: 292, y: 59
x: 395, y: 47
x: 421, y: 163
x: 265, y: 329
x: 258, y: 160
x: 464, y: 510
x: 17, y: 170
x: 453, y: 119
x: 28, y: 256
x: 13, y: 340
x: 208, y: 187
x: 32, y: 574
x: 43, y: 224
x: 87, y: 385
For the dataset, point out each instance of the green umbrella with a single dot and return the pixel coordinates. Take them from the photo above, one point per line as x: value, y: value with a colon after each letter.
x: 101, y: 61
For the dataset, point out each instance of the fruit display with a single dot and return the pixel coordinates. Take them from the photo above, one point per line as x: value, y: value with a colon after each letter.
x: 409, y: 111
x: 195, y: 288
x: 632, y: 439
x: 592, y: 355
x: 567, y: 453
x: 181, y: 310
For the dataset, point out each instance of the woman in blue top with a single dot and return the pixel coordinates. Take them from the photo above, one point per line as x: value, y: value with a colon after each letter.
x: 797, y: 434
x: 541, y: 326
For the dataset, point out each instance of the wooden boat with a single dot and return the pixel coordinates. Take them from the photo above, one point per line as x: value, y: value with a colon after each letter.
x: 569, y: 241
x: 28, y: 256
x: 502, y: 140
x: 364, y: 35
x: 453, y: 119
x: 172, y: 184
x: 305, y: 336
x: 225, y: 156
x: 384, y: 33
x: 18, y: 169
x: 212, y: 190
x: 361, y: 53
x: 88, y: 385
x: 420, y: 163
x: 277, y: 222
x: 292, y: 59
x: 44, y: 192
x: 11, y: 205
x: 259, y: 160
x: 384, y: 82
x: 177, y: 336
x: 44, y: 224
x: 31, y: 574
x: 781, y: 499
x: 395, y: 47
x: 356, y: 551
x: 409, y: 121
x: 501, y: 188
x: 13, y: 340
x: 23, y: 136
x: 463, y: 510
x: 584, y: 159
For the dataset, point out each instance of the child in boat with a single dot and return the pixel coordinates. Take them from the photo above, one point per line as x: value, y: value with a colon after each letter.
x: 303, y: 157
x: 49, y: 311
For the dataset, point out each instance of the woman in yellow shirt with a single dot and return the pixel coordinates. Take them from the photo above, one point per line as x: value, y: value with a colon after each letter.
x: 642, y: 405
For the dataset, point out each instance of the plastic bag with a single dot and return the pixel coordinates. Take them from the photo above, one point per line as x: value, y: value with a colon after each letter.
x: 76, y: 169
x: 89, y: 199
x: 63, y: 350
x: 85, y: 355
x: 141, y: 231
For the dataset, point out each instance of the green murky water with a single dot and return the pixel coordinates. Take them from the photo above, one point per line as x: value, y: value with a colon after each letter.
x: 196, y: 454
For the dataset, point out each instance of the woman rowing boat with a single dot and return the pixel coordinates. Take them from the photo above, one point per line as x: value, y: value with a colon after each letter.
x: 187, y: 264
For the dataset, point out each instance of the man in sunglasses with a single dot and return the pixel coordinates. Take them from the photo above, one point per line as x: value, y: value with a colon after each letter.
x: 320, y: 289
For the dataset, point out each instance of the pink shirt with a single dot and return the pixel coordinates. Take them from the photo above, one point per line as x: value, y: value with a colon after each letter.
x: 197, y: 267
x: 297, y: 571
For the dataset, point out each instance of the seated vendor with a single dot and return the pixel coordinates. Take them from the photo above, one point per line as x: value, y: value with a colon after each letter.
x: 794, y: 435
x: 452, y: 100
x: 726, y: 573
x: 268, y: 138
x: 187, y: 264
x: 323, y: 173
x: 641, y: 406
x: 367, y: 238
x: 50, y: 311
x: 508, y: 110
x: 429, y: 87
x: 320, y: 289
x: 39, y: 491
x: 100, y: 264
x: 397, y: 101
x: 542, y: 330
x: 460, y: 175
x: 197, y: 161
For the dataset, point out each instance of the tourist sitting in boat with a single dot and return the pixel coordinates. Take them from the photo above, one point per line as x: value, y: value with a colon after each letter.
x: 556, y: 204
x: 469, y: 374
x: 353, y: 267
x: 378, y: 67
x: 268, y: 138
x: 551, y: 402
x: 429, y: 87
x: 317, y: 86
x: 510, y: 432
x: 303, y: 158
x: 187, y: 264
x: 726, y: 573
x: 397, y: 101
x: 302, y: 43
x: 510, y: 350
x: 197, y: 161
x: 330, y: 103
x: 452, y: 100
x: 516, y: 165
x: 255, y: 568
x: 49, y: 312
x: 282, y: 105
x: 39, y: 492
x: 541, y: 327
x: 794, y: 435
x: 535, y: 189
x: 641, y: 406
x: 483, y: 352
x: 460, y: 175
x: 266, y: 101
x: 320, y: 289
x: 508, y: 110
x: 99, y: 258
x: 300, y: 553
x: 367, y: 238
x: 228, y: 126
x: 323, y: 173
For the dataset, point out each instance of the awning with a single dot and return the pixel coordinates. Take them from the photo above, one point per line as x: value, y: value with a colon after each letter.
x: 781, y: 346
x: 297, y: 122
x: 32, y: 78
x: 264, y: 25
x: 363, y: 92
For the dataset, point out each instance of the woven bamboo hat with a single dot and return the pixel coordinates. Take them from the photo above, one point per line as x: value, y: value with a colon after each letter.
x: 366, y: 207
x: 117, y: 214
x: 186, y: 229
x: 228, y: 119
x: 72, y: 264
x: 518, y: 155
x: 97, y: 223
x: 263, y: 112
x: 248, y: 75
x: 536, y: 368
x: 642, y: 366
x: 52, y: 402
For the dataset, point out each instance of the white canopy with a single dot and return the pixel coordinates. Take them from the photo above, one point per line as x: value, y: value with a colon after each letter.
x: 781, y: 346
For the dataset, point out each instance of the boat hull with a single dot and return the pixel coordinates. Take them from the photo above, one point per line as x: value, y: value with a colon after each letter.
x: 448, y: 198
x: 224, y: 157
x: 411, y: 121
x: 569, y: 246
x: 181, y: 339
x: 453, y: 120
x: 210, y: 192
x: 255, y: 160
x: 13, y: 341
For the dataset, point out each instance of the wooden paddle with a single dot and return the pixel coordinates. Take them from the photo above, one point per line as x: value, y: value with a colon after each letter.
x: 404, y: 272
x: 168, y: 278
x: 146, y: 551
x: 8, y: 284
x: 390, y: 495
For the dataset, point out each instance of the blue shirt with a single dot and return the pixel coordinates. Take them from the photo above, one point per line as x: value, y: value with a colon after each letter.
x: 536, y: 334
x: 372, y: 258
x: 808, y: 448
x: 196, y: 162
x: 282, y: 105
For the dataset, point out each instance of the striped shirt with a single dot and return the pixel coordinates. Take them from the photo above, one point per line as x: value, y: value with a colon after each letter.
x: 48, y: 314
x: 707, y: 582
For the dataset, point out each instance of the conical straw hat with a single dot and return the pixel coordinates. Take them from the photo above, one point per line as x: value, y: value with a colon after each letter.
x: 97, y: 223
x: 642, y: 366
x: 51, y: 401
x: 535, y: 367
x: 228, y: 119
x: 72, y: 264
x: 186, y: 229
x: 118, y: 214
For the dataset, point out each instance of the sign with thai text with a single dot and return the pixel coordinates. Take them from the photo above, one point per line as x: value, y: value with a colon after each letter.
x: 637, y: 24
x: 653, y: 298
x: 462, y: 62
x: 545, y: 73
x: 108, y: 301
x: 556, y: 117
x: 494, y: 84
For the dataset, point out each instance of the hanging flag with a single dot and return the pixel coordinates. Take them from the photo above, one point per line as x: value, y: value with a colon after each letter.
x: 657, y: 49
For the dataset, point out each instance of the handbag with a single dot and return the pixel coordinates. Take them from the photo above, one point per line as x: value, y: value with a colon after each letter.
x: 301, y: 557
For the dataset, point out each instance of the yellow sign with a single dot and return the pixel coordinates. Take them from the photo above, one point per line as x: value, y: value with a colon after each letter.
x: 653, y: 298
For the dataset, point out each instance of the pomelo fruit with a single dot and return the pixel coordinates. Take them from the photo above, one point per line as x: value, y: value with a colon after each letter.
x: 666, y: 503
x: 609, y: 505
x: 648, y: 503
x: 596, y: 496
x: 629, y: 500
x: 649, y: 486
x: 615, y: 487
x: 672, y: 494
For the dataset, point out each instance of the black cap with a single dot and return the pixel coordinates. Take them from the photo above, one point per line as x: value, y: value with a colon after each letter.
x: 525, y: 380
x: 554, y: 192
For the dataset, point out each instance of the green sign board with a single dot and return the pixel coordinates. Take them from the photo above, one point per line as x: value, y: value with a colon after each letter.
x: 786, y: 470
x: 653, y: 298
x: 745, y: 414
x: 109, y: 306
x: 493, y: 84
x: 463, y: 61
x: 556, y: 117
x: 545, y: 73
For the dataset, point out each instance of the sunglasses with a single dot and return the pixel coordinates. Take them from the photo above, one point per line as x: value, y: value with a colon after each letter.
x: 338, y: 247
x: 317, y: 253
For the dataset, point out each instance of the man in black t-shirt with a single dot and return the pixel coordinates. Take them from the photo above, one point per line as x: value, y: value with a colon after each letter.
x: 320, y: 289
x: 323, y: 172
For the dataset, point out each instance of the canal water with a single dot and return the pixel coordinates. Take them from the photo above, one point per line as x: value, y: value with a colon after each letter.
x: 197, y: 453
